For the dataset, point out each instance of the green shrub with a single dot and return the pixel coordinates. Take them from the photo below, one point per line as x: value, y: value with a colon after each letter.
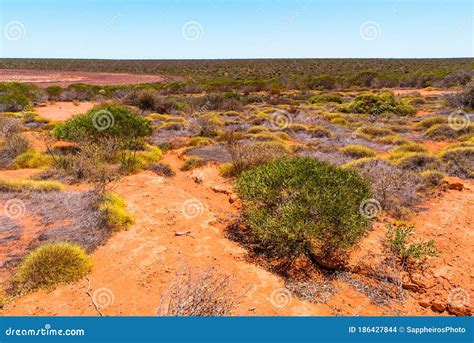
x: 377, y: 104
x: 396, y: 240
x: 115, y: 210
x: 104, y: 121
x: 29, y: 185
x: 54, y: 92
x: 329, y: 97
x: 52, y: 264
x: 13, y: 102
x: 301, y: 206
x: 358, y: 151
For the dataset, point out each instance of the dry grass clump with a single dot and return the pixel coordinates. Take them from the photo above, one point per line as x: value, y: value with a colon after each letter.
x: 192, y: 163
x: 394, y: 188
x: 459, y: 161
x: 358, y: 151
x: 29, y: 185
x: 372, y: 132
x: 162, y: 169
x: 447, y: 132
x: 205, y: 294
x: 246, y: 155
x: 31, y: 159
x: 52, y: 264
x: 114, y: 208
x: 415, y: 161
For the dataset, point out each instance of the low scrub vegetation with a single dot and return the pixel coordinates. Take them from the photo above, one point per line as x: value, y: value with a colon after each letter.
x: 377, y: 104
x: 52, y: 264
x: 298, y: 206
x: 29, y: 185
x: 115, y: 211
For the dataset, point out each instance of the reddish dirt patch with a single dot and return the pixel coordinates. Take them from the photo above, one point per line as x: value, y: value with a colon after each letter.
x: 63, y: 110
x: 45, y: 78
x: 424, y: 92
x: 436, y: 146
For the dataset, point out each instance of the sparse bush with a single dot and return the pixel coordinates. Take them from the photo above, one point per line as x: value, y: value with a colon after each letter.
x: 52, y: 264
x: 429, y: 122
x: 192, y: 163
x: 54, y: 92
x: 162, y: 169
x: 29, y: 185
x: 395, y: 189
x: 396, y: 240
x: 416, y: 161
x: 377, y: 104
x: 372, y: 132
x: 15, y: 144
x: 407, y: 148
x: 301, y: 206
x: 459, y: 161
x: 466, y: 98
x: 207, y: 294
x: 432, y: 178
x: 209, y: 126
x: 358, y: 151
x: 446, y: 132
x: 115, y: 210
x: 246, y: 155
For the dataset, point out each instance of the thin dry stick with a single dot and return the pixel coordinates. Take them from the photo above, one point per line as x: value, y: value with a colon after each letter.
x: 92, y: 298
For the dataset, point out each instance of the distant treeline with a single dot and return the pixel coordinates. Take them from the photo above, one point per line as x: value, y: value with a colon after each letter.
x: 276, y: 74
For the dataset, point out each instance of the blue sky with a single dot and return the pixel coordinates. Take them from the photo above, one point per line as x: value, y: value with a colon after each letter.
x: 182, y: 29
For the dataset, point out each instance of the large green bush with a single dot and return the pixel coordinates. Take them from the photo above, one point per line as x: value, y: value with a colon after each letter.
x: 104, y: 121
x: 301, y: 206
x: 15, y: 96
x: 376, y: 104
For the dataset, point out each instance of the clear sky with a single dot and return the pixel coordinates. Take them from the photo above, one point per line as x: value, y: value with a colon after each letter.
x: 182, y: 29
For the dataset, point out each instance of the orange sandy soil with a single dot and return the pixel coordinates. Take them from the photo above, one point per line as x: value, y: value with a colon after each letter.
x: 45, y: 78
x: 137, y: 265
x: 63, y: 110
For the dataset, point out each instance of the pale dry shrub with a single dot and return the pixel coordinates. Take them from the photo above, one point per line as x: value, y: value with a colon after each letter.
x: 206, y: 294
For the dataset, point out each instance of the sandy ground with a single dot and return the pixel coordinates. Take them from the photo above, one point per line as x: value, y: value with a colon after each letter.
x: 45, y: 78
x: 423, y: 92
x: 135, y: 267
x: 63, y: 110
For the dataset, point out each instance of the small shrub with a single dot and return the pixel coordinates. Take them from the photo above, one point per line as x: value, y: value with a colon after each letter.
x: 300, y: 206
x: 54, y: 92
x: 162, y: 169
x: 247, y: 155
x: 29, y: 185
x: 443, y: 132
x: 416, y: 161
x: 358, y: 151
x: 15, y: 144
x: 52, y: 264
x: 432, y: 178
x: 328, y: 97
x: 426, y: 123
x: 459, y: 161
x: 192, y: 163
x: 371, y: 132
x: 396, y: 240
x: 104, y: 121
x: 200, y: 141
x: 407, y: 148
x: 31, y: 159
x: 395, y: 189
x: 377, y: 104
x: 207, y: 294
x: 115, y: 210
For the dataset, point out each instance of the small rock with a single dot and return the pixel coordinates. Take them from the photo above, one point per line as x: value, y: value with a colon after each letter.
x: 424, y: 303
x: 456, y: 186
x: 197, y: 179
x: 220, y: 189
x: 233, y: 198
x: 438, y: 306
x: 459, y: 310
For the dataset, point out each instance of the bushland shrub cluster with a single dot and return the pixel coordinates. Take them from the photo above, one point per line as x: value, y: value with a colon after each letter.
x: 377, y: 104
